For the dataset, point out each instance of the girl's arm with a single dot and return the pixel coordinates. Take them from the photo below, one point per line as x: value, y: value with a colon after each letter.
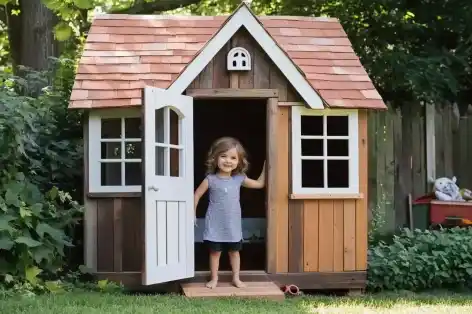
x: 202, y: 188
x: 255, y: 184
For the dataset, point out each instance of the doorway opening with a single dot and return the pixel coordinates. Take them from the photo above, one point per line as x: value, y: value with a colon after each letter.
x: 244, y: 119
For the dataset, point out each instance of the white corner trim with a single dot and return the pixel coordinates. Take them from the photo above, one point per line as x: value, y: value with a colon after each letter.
x: 243, y: 17
x: 297, y: 188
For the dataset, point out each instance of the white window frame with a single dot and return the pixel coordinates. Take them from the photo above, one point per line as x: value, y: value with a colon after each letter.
x: 239, y: 59
x: 94, y: 149
x: 353, y: 137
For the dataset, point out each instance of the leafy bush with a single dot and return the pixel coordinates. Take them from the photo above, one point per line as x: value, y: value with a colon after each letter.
x: 418, y: 260
x: 40, y: 177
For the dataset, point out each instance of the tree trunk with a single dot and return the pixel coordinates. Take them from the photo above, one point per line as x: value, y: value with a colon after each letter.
x: 31, y: 35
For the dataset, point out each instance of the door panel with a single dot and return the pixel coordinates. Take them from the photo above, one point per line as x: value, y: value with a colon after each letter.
x: 168, y: 186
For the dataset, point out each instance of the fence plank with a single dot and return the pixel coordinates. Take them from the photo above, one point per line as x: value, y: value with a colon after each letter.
x: 397, y: 157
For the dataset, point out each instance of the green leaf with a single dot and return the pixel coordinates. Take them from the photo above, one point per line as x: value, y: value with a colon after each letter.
x: 84, y: 4
x: 62, y: 31
x: 28, y: 241
x: 54, y: 286
x: 4, y: 223
x: 102, y: 284
x: 41, y: 253
x: 44, y: 228
x: 6, y: 244
x: 53, y: 192
x: 11, y: 198
x: 25, y: 212
x: 32, y: 273
x: 20, y: 176
x: 8, y: 278
x: 4, y: 2
x: 36, y: 209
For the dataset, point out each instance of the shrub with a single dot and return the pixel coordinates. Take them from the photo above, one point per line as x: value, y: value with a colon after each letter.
x: 418, y: 260
x: 40, y: 168
x: 33, y: 230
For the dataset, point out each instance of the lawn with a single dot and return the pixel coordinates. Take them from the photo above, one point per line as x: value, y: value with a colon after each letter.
x: 104, y: 303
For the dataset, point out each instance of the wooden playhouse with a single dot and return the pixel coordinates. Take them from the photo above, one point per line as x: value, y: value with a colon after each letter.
x: 159, y: 89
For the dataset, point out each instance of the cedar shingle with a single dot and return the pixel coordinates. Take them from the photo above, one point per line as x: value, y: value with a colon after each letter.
x: 123, y: 53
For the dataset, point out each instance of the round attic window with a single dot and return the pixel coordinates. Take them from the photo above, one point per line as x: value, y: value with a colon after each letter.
x: 239, y: 59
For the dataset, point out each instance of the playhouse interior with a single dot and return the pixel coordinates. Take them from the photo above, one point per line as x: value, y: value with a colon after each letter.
x: 246, y: 121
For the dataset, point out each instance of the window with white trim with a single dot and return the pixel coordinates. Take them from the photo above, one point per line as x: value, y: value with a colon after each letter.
x: 115, y: 150
x: 325, y: 151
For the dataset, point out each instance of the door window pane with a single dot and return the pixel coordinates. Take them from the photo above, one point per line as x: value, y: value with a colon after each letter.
x: 161, y: 161
x: 175, y: 162
x: 160, y: 125
x: 174, y: 128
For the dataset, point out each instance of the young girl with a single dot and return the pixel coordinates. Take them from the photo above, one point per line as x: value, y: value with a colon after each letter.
x: 226, y: 168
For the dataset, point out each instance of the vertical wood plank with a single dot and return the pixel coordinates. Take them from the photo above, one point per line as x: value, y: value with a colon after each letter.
x: 206, y: 76
x: 261, y: 68
x: 361, y: 206
x: 311, y: 235
x: 399, y: 201
x: 117, y: 235
x: 90, y: 234
x: 295, y: 236
x: 447, y: 145
x: 430, y: 141
x: 338, y: 235
x: 283, y: 151
x: 220, y: 74
x: 272, y: 186
x: 105, y: 235
x: 440, y: 169
x: 277, y: 81
x: 349, y: 211
x: 132, y: 246
x: 326, y: 233
x: 245, y: 40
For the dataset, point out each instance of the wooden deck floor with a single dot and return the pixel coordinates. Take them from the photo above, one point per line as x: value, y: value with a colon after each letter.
x: 264, y: 290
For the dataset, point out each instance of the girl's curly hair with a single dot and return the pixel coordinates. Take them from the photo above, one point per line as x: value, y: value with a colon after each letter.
x: 222, y: 145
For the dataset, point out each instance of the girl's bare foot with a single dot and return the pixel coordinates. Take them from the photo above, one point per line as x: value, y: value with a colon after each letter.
x: 212, y: 284
x: 238, y: 283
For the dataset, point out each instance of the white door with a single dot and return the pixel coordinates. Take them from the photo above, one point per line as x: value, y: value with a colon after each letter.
x: 168, y: 186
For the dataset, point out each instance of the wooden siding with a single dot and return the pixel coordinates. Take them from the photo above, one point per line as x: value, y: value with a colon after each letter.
x: 263, y: 75
x: 320, y: 235
x: 118, y: 232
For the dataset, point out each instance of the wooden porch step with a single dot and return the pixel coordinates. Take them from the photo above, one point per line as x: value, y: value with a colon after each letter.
x: 253, y: 289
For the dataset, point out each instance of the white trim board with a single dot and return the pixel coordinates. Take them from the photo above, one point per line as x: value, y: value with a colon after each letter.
x: 244, y: 17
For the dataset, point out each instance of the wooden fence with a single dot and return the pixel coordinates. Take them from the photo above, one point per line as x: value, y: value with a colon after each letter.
x: 397, y: 158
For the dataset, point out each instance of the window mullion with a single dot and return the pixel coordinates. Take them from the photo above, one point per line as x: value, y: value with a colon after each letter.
x: 123, y: 152
x: 325, y: 152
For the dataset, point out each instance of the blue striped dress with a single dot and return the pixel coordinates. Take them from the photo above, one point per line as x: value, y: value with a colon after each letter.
x: 223, y: 216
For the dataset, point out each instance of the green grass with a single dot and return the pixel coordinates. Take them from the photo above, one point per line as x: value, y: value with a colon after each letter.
x: 104, y: 303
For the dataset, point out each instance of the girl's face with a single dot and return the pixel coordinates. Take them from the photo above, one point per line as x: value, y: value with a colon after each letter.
x: 228, y: 160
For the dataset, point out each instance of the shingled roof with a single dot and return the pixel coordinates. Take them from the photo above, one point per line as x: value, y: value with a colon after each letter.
x: 123, y: 53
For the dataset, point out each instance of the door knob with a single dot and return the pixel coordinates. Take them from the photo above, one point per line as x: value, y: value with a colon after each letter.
x: 153, y: 188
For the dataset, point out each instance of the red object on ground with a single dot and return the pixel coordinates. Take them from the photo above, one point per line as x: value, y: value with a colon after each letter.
x: 291, y: 290
x: 425, y: 199
x: 441, y: 210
